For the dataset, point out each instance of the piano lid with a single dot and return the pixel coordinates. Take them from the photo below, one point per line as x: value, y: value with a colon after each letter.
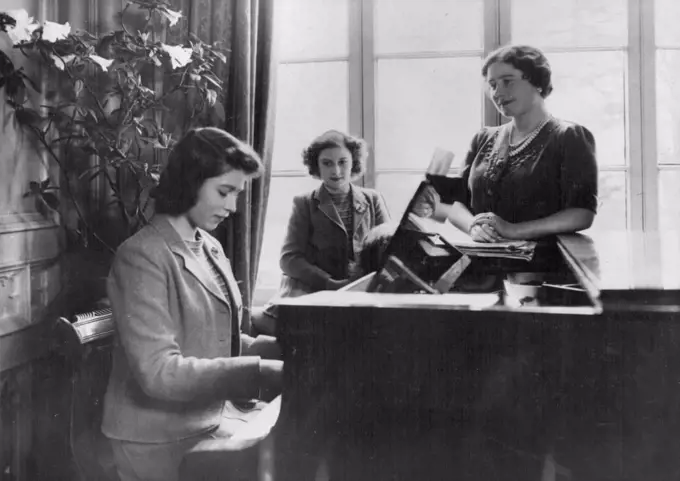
x: 618, y: 269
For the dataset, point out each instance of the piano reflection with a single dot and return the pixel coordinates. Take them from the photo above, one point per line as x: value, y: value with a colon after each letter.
x: 444, y: 365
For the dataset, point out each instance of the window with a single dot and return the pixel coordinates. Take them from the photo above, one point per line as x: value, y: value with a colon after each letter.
x: 415, y: 53
x: 667, y: 47
x: 313, y: 96
x: 586, y: 43
x: 405, y: 76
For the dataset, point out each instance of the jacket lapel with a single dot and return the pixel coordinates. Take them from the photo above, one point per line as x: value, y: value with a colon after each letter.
x: 360, y: 203
x: 213, y: 251
x: 224, y: 266
x: 325, y: 204
x: 191, y: 263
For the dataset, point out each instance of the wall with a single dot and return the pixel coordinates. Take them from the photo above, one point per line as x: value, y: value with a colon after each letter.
x: 30, y: 280
x: 36, y: 285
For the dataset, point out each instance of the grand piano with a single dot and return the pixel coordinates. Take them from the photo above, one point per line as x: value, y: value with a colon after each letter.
x: 580, y: 380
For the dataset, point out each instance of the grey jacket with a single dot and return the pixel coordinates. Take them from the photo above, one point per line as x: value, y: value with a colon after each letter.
x: 173, y: 363
x: 315, y: 247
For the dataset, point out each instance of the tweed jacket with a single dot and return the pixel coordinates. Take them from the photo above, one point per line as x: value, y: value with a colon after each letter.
x: 315, y: 247
x: 176, y: 358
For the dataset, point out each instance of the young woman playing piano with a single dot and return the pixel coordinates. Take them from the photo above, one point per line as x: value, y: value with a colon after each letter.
x: 177, y: 308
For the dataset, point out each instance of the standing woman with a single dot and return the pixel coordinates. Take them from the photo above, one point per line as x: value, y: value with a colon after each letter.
x: 327, y: 226
x: 534, y: 176
x: 179, y: 353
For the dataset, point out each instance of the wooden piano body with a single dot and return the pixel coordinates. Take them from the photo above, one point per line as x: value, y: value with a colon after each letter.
x: 585, y: 385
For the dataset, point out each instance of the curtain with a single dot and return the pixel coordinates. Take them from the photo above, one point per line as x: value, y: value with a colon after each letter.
x: 246, y: 30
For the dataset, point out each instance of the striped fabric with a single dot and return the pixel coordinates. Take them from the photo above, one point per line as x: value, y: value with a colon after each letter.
x: 345, y: 208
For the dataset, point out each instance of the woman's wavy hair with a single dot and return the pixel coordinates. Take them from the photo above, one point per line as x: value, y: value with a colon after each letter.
x: 201, y: 154
x: 334, y: 138
x: 529, y: 60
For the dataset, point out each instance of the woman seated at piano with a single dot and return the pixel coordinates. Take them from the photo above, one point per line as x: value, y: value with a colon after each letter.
x: 179, y: 353
x: 533, y: 176
x: 328, y: 225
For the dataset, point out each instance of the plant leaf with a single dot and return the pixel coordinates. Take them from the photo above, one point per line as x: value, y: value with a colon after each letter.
x: 28, y: 117
x: 90, y: 150
x: 6, y: 65
x: 211, y: 96
x: 31, y: 82
x: 78, y: 87
x: 86, y: 171
x: 51, y: 200
x: 15, y: 89
x: 213, y: 80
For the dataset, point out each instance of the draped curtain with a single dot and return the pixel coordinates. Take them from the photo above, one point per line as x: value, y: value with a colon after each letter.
x: 245, y: 30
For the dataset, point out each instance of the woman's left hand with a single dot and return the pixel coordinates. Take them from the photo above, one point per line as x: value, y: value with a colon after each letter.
x: 426, y: 203
x: 506, y: 229
x: 266, y: 347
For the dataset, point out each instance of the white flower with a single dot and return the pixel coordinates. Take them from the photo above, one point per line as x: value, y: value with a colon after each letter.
x: 23, y: 30
x: 60, y: 62
x: 179, y: 56
x: 172, y: 16
x: 55, y: 31
x: 104, y: 63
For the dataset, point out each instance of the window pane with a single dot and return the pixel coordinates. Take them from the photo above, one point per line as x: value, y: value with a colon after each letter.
x: 313, y: 28
x: 570, y: 23
x: 398, y: 190
x: 669, y: 207
x: 428, y: 25
x: 668, y: 106
x: 422, y: 104
x: 589, y: 89
x: 612, y: 211
x: 670, y: 246
x: 311, y: 98
x: 667, y: 13
x: 280, y: 203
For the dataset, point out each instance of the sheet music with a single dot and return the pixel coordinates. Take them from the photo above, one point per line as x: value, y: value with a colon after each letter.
x: 464, y: 243
x: 441, y: 161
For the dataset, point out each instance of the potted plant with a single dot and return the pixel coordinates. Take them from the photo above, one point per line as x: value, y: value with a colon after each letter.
x: 101, y: 118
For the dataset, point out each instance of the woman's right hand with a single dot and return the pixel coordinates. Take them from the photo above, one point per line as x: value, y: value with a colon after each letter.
x: 481, y: 231
x: 271, y: 379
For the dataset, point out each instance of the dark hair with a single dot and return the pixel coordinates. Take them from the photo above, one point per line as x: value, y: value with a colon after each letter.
x: 374, y: 246
x: 529, y: 60
x: 201, y: 154
x: 333, y: 138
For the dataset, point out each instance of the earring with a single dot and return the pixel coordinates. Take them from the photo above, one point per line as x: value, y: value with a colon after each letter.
x: 540, y: 90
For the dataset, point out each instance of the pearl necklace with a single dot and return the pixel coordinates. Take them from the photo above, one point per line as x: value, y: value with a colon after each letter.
x: 522, y: 144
